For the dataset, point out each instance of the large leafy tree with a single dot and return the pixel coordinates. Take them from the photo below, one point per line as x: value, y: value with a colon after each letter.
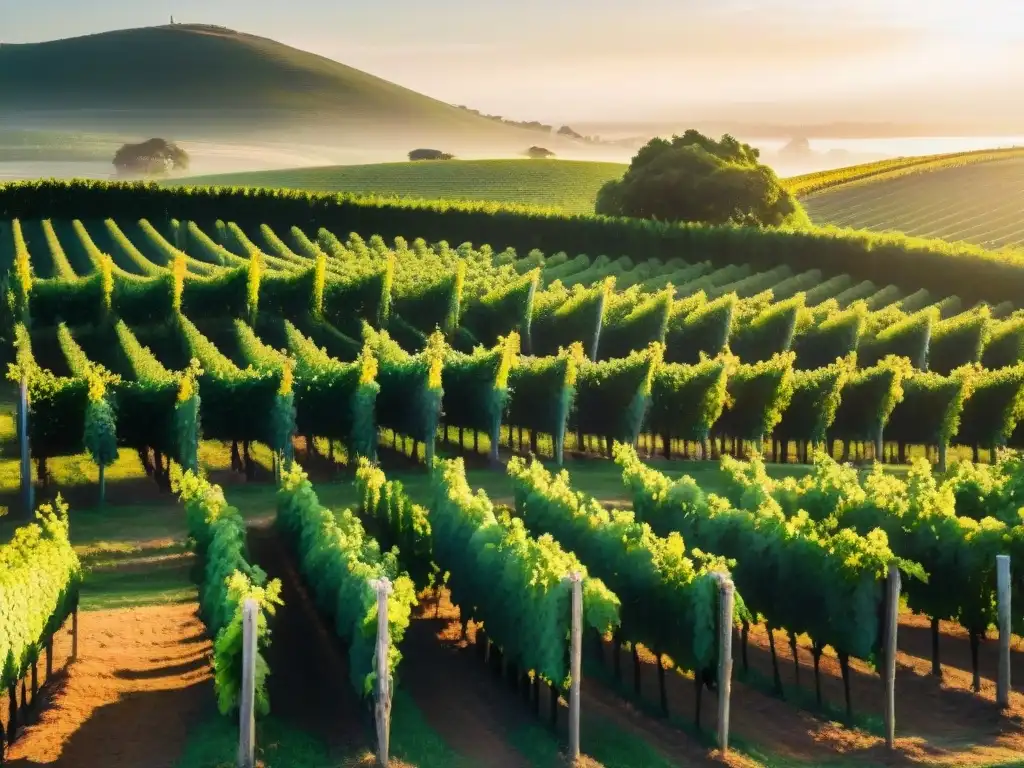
x: 695, y: 178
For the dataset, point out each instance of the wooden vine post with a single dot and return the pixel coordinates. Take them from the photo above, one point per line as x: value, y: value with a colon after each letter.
x: 74, y: 634
x: 1003, y: 594
x: 892, y: 622
x: 575, y: 658
x: 726, y: 601
x: 247, y: 702
x: 382, y: 710
x: 27, y: 491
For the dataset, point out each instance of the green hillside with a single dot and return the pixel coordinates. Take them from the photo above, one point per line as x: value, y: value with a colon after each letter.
x: 981, y: 203
x: 204, y: 78
x: 565, y: 184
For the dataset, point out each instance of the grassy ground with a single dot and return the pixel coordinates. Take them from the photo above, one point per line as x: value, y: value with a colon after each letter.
x: 565, y: 184
x: 979, y: 203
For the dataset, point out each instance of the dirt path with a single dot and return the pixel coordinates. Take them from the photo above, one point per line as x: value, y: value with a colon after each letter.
x: 309, y: 686
x: 141, y: 681
x: 454, y: 691
x: 458, y: 674
x: 937, y: 723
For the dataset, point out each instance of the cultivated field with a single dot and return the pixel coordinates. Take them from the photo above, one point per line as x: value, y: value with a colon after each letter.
x: 177, y: 343
x: 563, y: 184
x: 979, y: 203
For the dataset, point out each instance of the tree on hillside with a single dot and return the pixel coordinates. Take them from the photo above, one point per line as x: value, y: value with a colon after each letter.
x: 155, y: 157
x: 430, y: 154
x: 695, y: 178
x: 539, y: 153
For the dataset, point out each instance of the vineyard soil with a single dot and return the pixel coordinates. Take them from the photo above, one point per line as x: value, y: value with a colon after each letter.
x: 141, y: 682
x: 936, y: 723
x: 308, y: 685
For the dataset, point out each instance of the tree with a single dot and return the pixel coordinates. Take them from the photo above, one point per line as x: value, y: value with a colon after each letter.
x: 155, y: 157
x: 695, y: 178
x: 539, y: 153
x: 429, y: 154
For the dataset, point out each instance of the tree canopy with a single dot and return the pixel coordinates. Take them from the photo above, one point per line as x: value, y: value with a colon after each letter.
x: 430, y: 154
x: 695, y: 178
x: 150, y: 158
x: 539, y: 153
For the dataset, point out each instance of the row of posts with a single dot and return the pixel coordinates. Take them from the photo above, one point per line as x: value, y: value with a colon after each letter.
x: 382, y: 708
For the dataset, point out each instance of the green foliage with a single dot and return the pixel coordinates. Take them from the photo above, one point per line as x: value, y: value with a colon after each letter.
x: 543, y: 390
x: 994, y: 408
x: 239, y: 405
x: 959, y: 341
x: 410, y: 387
x: 633, y: 321
x: 695, y: 178
x: 1005, y: 345
x: 39, y: 581
x: 756, y: 397
x: 349, y: 301
x: 402, y: 524
x: 822, y: 343
x: 769, y: 332
x: 57, y: 404
x: 562, y: 317
x: 794, y: 573
x: 476, y: 389
x: 433, y: 303
x: 669, y: 596
x: 929, y: 413
x: 701, y: 327
x: 906, y: 337
x: 22, y: 269
x: 100, y: 423
x: 157, y: 408
x: 942, y: 268
x: 814, y: 402
x: 217, y: 532
x: 686, y: 400
x: 612, y: 396
x: 515, y: 584
x: 322, y: 384
x: 507, y: 307
x: 340, y: 565
x: 868, y: 400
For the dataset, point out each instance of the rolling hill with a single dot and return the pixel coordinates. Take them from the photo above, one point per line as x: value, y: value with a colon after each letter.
x: 199, y: 82
x: 980, y: 203
x: 565, y: 184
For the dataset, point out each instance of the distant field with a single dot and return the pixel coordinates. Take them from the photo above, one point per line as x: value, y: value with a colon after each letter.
x: 981, y: 203
x: 566, y: 184
x: 884, y: 170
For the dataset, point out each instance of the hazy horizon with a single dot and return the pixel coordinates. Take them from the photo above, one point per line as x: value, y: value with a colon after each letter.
x: 775, y: 61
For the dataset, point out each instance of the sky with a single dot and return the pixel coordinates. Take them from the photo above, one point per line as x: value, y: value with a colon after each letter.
x: 624, y: 59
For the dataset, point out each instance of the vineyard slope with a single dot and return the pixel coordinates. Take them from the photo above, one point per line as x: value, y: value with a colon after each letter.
x: 980, y: 203
x: 569, y: 185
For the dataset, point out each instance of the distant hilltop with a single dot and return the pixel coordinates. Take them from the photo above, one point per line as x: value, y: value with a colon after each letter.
x: 207, y: 80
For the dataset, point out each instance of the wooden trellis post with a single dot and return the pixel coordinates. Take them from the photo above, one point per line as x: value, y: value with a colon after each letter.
x: 247, y: 703
x: 726, y: 601
x: 382, y: 709
x: 27, y: 490
x: 892, y: 623
x: 1003, y: 593
x: 575, y: 658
